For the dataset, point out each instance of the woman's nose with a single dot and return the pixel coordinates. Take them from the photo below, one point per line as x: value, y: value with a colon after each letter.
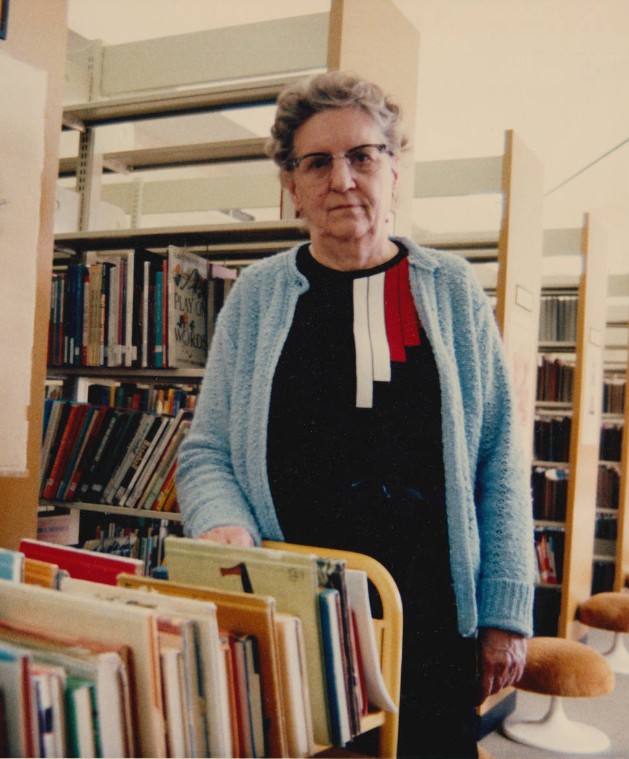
x: 341, y: 176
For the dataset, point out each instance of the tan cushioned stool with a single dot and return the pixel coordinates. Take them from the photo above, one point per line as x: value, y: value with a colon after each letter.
x: 609, y: 611
x: 561, y: 669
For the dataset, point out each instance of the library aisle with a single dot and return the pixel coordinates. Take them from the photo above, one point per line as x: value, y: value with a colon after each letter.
x: 607, y: 713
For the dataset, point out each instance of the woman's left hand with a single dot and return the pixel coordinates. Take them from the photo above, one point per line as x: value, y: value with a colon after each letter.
x: 502, y: 659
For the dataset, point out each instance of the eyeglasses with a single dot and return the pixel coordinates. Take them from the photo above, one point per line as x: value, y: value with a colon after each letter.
x: 363, y: 159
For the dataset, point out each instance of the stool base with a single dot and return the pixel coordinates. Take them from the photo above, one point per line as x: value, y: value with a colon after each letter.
x: 618, y: 657
x: 555, y: 732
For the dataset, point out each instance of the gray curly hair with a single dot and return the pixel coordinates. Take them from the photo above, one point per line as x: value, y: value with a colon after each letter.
x: 332, y: 89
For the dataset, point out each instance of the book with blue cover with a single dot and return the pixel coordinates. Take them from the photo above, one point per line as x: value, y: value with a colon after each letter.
x: 11, y: 565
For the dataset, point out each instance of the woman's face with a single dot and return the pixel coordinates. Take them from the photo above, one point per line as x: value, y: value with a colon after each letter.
x: 345, y: 205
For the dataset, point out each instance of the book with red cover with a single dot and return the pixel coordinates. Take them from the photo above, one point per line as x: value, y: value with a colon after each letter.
x: 52, y: 438
x: 86, y: 455
x: 82, y: 564
x: 67, y: 442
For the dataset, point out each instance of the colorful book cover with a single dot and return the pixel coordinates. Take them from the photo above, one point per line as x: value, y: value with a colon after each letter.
x: 187, y: 308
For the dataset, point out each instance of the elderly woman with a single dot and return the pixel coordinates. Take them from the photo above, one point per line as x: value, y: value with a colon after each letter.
x: 356, y: 397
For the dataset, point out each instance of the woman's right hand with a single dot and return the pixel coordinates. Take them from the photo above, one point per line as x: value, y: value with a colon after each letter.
x: 234, y: 535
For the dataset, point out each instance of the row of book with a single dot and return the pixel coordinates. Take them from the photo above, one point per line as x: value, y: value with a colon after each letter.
x: 549, y: 550
x: 143, y: 542
x: 608, y: 486
x: 606, y: 527
x: 98, y: 531
x: 555, y: 380
x: 549, y: 489
x: 611, y: 442
x: 603, y: 576
x: 558, y: 318
x: 103, y: 454
x: 189, y: 666
x: 555, y: 383
x: 135, y: 308
x: 614, y: 396
x: 154, y: 398
x: 551, y: 438
x: 546, y: 610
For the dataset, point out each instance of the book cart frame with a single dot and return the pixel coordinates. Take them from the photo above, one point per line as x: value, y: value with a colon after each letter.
x: 388, y: 631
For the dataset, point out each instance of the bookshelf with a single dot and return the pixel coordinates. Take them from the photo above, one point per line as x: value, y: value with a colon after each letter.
x: 585, y: 430
x: 553, y: 421
x: 610, y: 510
x: 622, y: 540
x: 560, y: 368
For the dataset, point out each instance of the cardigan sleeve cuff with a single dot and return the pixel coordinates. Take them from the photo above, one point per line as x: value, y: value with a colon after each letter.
x: 506, y: 604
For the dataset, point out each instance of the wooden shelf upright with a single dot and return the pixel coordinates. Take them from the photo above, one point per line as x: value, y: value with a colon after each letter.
x: 622, y: 541
x: 585, y: 430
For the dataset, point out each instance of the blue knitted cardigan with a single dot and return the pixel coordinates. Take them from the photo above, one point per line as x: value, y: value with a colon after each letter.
x: 222, y: 473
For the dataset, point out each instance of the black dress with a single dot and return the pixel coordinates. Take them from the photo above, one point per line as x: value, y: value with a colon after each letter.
x: 355, y: 463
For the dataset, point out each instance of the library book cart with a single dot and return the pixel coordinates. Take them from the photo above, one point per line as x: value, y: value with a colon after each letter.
x: 388, y: 630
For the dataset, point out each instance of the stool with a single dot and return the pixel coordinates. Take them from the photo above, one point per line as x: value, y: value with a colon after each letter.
x: 609, y: 611
x: 561, y: 669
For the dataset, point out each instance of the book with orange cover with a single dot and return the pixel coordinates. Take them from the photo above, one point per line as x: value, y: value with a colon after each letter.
x: 42, y: 573
x: 79, y: 563
x: 233, y: 714
x: 106, y: 623
x: 169, y: 483
x: 245, y: 614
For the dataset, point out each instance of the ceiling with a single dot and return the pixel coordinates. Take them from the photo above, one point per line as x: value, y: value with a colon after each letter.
x: 555, y: 71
